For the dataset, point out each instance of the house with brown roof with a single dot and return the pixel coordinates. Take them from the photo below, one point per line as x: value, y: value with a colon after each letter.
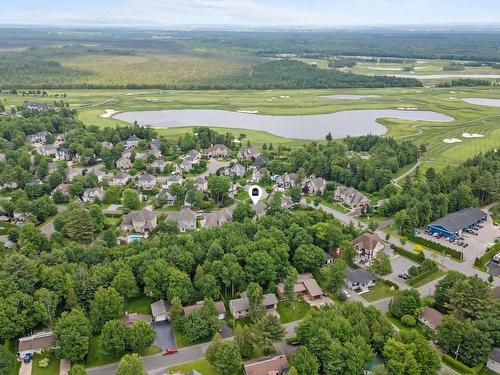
x: 305, y: 287
x: 237, y: 170
x: 367, y: 247
x: 350, y: 197
x: 431, y: 318
x: 219, y: 306
x: 130, y: 318
x: 285, y: 181
x: 139, y: 221
x: 217, y: 218
x: 275, y: 365
x: 185, y: 219
x: 217, y: 151
x: 240, y: 307
x: 124, y: 162
x: 36, y: 343
x: 313, y: 185
x: 249, y: 153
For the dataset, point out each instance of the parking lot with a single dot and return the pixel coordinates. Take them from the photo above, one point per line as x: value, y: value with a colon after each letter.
x: 477, y: 244
x: 399, y: 264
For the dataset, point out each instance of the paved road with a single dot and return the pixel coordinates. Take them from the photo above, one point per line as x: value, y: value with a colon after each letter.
x: 212, y: 166
x: 407, y: 173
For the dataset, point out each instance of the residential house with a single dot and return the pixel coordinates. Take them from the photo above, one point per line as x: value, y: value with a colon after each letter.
x: 288, y: 180
x: 60, y: 138
x: 170, y: 180
x: 39, y: 137
x: 184, y: 166
x: 237, y: 170
x: 305, y: 286
x: 97, y: 171
x: 217, y: 151
x: 36, y: 343
x: 34, y: 106
x: 240, y: 307
x: 165, y: 196
x: 249, y: 153
x: 194, y: 156
x: 52, y: 166
x: 139, y: 221
x: 146, y: 181
x: 47, y: 150
x: 63, y: 188
x: 186, y: 220
x: 276, y: 365
x: 201, y: 184
x: 91, y: 195
x: 130, y: 318
x: 160, y: 310
x: 219, y: 306
x: 217, y: 218
x: 259, y: 209
x: 124, y: 162
x: 494, y: 360
x: 314, y: 185
x: 360, y: 280
x: 131, y: 142
x: 328, y: 259
x: 367, y: 246
x: 120, y: 179
x: 63, y: 154
x: 156, y: 152
x: 72, y: 172
x: 350, y: 197
x: 157, y: 165
x: 431, y: 318
x: 155, y: 144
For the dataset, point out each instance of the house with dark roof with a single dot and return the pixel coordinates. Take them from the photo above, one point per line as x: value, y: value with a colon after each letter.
x: 131, y: 142
x: 455, y: 223
x: 350, y: 197
x: 494, y: 360
x: 367, y: 247
x: 160, y: 310
x: 360, y: 280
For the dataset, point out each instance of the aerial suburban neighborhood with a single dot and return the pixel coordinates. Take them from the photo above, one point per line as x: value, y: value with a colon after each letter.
x: 249, y: 197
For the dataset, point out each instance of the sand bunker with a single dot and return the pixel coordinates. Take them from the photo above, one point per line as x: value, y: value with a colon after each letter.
x: 246, y: 111
x: 472, y: 135
x: 108, y: 113
x: 407, y: 108
x: 130, y: 93
x: 284, y: 96
x: 452, y: 140
x: 349, y: 97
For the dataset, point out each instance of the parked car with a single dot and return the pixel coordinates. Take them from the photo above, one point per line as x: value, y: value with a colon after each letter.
x: 169, y: 351
x: 402, y: 276
x: 27, y: 358
x: 407, y: 274
x: 496, y: 258
x: 346, y: 294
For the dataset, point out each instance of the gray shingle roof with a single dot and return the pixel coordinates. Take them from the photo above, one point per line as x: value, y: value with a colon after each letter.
x: 360, y: 276
x: 459, y: 220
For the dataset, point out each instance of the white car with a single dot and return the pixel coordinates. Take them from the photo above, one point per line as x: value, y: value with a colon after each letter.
x: 496, y: 258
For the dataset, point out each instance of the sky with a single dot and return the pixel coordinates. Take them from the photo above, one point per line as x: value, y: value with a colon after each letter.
x: 319, y: 13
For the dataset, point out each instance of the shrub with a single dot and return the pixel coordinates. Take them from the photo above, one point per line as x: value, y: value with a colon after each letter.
x: 457, y: 365
x: 435, y: 246
x: 408, y: 320
x: 408, y: 254
x: 43, y: 363
x: 485, y: 258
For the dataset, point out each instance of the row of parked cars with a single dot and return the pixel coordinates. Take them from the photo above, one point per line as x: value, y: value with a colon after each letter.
x: 457, y: 240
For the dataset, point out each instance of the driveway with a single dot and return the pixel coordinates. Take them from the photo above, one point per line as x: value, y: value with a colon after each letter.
x: 399, y: 265
x: 164, y: 335
x: 494, y: 268
x: 212, y: 166
x: 25, y: 368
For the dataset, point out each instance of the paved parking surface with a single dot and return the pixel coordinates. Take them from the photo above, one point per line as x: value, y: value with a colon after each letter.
x: 164, y: 335
x: 399, y: 265
x: 494, y: 268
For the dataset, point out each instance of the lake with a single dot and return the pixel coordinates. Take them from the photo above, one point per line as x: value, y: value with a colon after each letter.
x: 314, y: 127
x: 483, y: 101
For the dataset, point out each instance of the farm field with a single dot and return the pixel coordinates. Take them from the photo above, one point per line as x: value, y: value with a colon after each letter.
x: 469, y: 118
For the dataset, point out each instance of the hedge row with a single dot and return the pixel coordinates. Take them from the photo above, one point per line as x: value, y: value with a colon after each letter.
x: 435, y: 246
x: 390, y: 283
x: 421, y: 276
x: 459, y: 366
x: 417, y: 257
x: 485, y: 258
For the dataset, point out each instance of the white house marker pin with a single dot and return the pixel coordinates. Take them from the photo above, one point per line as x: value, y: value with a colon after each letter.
x: 255, y: 193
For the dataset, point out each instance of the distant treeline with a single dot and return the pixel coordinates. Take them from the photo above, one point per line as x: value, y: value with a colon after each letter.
x: 279, y: 74
x: 466, y: 82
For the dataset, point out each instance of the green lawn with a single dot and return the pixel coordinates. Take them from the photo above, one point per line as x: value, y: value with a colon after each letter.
x: 95, y: 357
x: 291, y: 311
x: 51, y: 369
x: 380, y: 291
x: 201, y: 366
x: 141, y: 305
x: 395, y: 321
x: 428, y: 279
x: 335, y: 206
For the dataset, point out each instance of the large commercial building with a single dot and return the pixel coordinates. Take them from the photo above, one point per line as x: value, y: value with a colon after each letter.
x: 455, y: 223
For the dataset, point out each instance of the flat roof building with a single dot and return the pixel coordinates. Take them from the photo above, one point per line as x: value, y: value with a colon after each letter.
x: 453, y: 224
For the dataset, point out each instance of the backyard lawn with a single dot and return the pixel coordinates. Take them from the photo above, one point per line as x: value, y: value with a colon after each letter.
x: 291, y: 311
x: 201, y: 366
x: 51, y: 369
x: 380, y: 291
x: 141, y: 305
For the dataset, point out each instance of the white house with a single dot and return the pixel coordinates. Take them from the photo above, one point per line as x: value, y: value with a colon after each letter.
x: 90, y: 195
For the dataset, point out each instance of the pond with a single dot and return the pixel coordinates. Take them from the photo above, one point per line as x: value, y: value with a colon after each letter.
x: 483, y: 101
x: 349, y: 97
x: 314, y: 127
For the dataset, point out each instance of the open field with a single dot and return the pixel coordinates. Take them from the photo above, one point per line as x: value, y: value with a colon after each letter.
x: 469, y: 118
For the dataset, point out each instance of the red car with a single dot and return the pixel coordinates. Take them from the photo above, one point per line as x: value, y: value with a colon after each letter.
x: 169, y: 351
